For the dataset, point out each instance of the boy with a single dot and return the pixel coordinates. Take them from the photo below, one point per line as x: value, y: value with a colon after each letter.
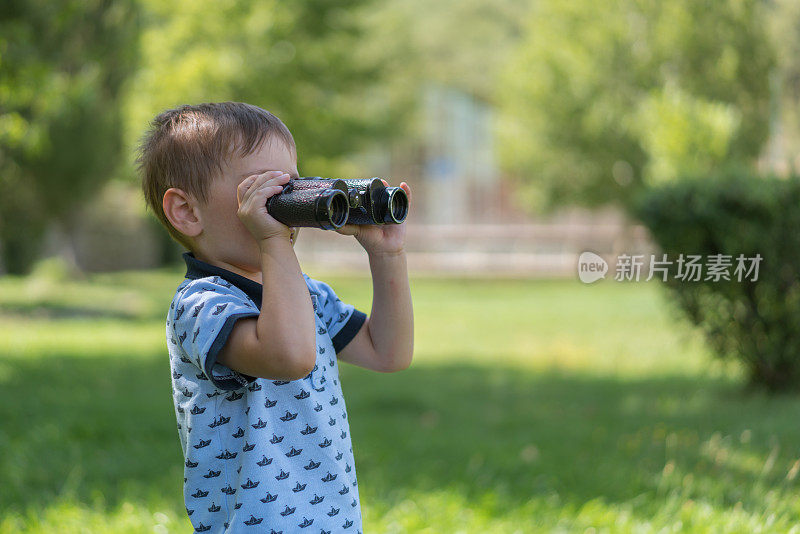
x: 254, y: 343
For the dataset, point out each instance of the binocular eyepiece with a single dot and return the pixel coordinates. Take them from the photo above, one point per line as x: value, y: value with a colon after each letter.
x: 331, y: 203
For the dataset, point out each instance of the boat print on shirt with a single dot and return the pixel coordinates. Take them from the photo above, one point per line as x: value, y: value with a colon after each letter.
x: 264, y: 461
x: 253, y: 521
x: 260, y: 424
x: 270, y: 403
x: 269, y: 498
x: 288, y: 511
x: 305, y: 523
x: 289, y: 416
x: 227, y: 455
x: 250, y: 484
x: 222, y: 420
x: 234, y: 396
x: 312, y: 465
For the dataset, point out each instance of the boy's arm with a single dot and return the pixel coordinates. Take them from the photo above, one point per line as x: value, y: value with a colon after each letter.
x: 281, y: 342
x: 385, y: 341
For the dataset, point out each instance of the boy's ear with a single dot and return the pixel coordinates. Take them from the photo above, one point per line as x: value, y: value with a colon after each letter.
x: 181, y: 211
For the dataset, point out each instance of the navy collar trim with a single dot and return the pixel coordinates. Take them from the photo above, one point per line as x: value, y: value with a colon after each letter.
x: 196, y: 268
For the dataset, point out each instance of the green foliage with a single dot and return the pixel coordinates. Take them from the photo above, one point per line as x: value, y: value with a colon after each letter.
x: 62, y: 68
x: 302, y: 60
x: 605, y: 98
x: 736, y: 213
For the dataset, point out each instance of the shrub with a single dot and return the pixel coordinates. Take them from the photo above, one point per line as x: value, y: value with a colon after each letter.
x: 736, y: 212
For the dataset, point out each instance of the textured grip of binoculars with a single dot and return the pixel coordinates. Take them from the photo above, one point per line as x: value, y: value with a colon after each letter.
x: 315, y: 208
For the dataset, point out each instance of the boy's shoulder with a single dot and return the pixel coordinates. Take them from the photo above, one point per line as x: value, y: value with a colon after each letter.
x: 200, y: 291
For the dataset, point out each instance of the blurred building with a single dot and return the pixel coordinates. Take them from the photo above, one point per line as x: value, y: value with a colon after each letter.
x: 464, y: 219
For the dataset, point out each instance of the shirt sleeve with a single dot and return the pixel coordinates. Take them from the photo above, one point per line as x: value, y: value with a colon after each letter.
x: 202, y: 318
x: 342, y: 320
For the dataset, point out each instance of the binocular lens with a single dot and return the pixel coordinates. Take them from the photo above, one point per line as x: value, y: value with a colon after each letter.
x: 398, y: 205
x: 338, y: 209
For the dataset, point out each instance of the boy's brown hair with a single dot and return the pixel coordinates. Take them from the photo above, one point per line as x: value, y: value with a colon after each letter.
x: 185, y: 147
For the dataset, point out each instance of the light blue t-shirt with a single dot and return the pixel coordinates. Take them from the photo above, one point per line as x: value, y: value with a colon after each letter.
x: 260, y: 455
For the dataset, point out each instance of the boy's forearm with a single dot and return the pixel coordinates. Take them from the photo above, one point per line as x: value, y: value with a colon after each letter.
x: 287, y: 315
x: 391, y: 321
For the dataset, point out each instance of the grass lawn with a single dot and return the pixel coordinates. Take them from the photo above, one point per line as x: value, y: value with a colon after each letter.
x: 530, y: 406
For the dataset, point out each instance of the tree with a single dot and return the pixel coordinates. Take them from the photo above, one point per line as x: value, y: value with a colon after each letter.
x: 301, y: 60
x: 603, y: 99
x: 62, y: 68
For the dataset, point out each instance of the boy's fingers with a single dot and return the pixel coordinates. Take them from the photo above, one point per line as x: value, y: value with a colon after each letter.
x: 407, y: 189
x: 244, y: 186
x: 348, y: 229
x: 260, y: 195
x: 253, y: 183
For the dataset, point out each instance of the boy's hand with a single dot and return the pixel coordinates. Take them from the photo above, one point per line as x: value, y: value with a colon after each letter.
x: 380, y: 238
x: 252, y: 194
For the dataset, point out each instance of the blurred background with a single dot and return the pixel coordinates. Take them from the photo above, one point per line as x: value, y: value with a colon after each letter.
x: 529, y: 131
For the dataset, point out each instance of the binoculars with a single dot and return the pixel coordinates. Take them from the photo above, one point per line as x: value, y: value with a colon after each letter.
x: 331, y: 203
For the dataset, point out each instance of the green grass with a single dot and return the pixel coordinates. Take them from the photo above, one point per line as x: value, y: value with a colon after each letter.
x: 530, y: 406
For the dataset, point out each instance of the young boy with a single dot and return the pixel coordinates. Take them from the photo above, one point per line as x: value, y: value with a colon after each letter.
x: 254, y: 343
